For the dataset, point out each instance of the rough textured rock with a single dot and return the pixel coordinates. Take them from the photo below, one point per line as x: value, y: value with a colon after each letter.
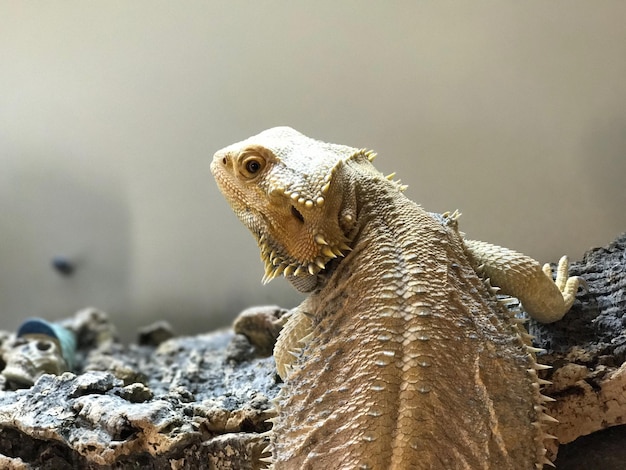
x: 202, y: 401
x: 190, y: 402
x: 587, y: 349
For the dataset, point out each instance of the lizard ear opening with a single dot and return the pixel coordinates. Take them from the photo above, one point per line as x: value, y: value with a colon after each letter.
x: 296, y: 213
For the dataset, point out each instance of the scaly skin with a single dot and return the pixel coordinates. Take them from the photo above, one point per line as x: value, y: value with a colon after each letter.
x: 401, y: 357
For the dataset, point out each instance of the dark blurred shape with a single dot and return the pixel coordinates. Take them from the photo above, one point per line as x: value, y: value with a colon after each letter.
x: 63, y: 265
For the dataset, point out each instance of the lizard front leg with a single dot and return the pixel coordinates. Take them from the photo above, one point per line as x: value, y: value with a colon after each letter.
x: 292, y: 338
x: 275, y: 330
x: 523, y: 277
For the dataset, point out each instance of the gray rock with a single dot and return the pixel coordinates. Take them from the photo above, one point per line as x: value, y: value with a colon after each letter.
x: 155, y: 334
x: 184, y: 404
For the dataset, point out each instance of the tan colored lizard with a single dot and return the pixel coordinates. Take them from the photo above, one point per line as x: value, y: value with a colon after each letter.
x: 401, y: 357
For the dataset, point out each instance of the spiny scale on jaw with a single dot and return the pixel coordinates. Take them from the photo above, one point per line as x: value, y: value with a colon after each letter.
x: 277, y: 263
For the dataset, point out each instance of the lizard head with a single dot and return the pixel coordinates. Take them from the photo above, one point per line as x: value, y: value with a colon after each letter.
x: 285, y: 187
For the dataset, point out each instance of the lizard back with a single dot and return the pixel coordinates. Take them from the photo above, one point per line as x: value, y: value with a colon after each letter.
x: 411, y: 363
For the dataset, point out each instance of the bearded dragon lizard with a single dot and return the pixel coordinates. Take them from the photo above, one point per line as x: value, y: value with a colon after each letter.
x: 401, y: 356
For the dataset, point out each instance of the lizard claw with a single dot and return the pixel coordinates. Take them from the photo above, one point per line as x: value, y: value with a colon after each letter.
x: 568, y: 286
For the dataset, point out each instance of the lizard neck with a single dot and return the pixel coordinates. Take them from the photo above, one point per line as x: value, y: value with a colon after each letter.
x: 382, y: 242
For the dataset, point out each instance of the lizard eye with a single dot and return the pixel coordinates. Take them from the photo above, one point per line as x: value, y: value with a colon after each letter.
x: 252, y: 166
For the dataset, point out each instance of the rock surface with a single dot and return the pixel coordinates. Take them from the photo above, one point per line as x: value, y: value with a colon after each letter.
x: 202, y: 402
x: 186, y: 403
x: 587, y: 350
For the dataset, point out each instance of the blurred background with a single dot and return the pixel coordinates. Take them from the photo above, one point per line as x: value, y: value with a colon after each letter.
x: 110, y: 111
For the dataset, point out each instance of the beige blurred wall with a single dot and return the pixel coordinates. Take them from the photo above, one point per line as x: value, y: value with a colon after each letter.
x: 513, y: 112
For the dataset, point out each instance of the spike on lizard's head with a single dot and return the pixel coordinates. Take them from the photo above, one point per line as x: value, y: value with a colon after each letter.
x: 287, y: 189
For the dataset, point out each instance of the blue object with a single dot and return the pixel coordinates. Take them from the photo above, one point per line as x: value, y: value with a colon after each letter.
x: 66, y: 338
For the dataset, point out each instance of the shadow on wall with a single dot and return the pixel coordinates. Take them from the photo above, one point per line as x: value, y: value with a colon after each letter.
x: 45, y: 214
